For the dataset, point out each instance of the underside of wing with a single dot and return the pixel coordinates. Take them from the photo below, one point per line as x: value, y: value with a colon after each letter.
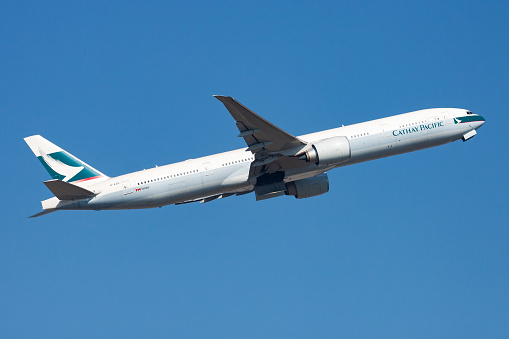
x: 207, y: 198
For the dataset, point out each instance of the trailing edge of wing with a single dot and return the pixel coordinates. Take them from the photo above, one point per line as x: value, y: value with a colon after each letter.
x: 256, y: 131
x: 66, y: 191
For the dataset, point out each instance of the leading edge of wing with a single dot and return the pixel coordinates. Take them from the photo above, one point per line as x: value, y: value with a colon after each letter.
x: 258, y: 133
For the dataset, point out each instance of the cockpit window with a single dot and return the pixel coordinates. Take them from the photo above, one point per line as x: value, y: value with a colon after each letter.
x: 468, y: 112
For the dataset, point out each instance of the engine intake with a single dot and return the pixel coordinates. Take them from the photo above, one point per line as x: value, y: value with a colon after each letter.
x: 328, y: 151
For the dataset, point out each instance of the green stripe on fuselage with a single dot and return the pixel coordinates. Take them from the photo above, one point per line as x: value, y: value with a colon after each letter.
x: 468, y: 118
x: 84, y: 174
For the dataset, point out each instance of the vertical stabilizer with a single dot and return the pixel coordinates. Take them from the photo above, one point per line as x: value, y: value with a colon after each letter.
x: 60, y: 164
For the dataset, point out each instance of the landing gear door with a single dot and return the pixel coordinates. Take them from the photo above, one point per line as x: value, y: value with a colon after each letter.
x: 126, y: 186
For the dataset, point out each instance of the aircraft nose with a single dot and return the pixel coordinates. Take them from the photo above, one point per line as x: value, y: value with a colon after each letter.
x: 481, y: 121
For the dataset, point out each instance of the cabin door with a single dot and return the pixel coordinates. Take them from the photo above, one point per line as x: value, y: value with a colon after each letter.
x: 386, y: 132
x: 126, y: 185
x: 208, y: 169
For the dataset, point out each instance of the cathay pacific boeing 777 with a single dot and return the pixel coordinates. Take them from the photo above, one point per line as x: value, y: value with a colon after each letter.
x: 274, y: 162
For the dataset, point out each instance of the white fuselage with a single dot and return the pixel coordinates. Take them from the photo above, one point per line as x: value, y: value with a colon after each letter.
x: 228, y: 173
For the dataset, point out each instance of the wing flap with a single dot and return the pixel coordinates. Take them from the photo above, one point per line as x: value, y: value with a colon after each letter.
x: 66, y: 191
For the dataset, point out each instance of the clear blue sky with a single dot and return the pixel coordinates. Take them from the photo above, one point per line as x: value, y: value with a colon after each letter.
x: 413, y: 246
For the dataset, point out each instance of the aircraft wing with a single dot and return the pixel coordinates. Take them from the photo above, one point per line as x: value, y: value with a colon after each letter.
x: 257, y: 132
x: 267, y: 142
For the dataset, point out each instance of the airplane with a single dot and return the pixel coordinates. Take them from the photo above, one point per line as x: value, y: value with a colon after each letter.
x: 273, y: 164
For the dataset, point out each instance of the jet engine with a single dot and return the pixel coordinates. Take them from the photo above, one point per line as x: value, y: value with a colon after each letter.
x: 309, y: 187
x: 328, y: 151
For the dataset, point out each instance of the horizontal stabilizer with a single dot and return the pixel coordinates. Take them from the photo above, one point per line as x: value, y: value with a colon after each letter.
x: 42, y: 213
x: 66, y: 191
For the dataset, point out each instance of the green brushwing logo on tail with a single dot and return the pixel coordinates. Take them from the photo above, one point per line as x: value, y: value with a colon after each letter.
x: 63, y: 166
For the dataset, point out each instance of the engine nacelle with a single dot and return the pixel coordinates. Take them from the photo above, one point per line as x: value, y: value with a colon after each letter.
x: 309, y: 187
x: 328, y: 151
